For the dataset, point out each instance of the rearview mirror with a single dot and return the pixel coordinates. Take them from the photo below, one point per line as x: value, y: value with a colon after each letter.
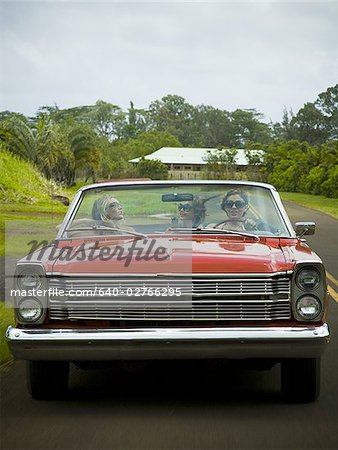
x: 305, y: 228
x: 177, y: 197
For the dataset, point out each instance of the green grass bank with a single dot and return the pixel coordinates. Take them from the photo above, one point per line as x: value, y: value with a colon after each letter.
x: 319, y: 202
x: 6, y: 318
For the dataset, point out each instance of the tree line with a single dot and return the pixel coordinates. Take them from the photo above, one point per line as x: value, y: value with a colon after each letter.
x: 97, y: 141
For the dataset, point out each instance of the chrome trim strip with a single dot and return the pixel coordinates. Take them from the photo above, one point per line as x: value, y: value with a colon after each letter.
x: 69, y: 213
x: 168, y: 343
x: 77, y: 302
x: 30, y: 263
x: 175, y: 182
x: 65, y: 334
x: 233, y: 298
x: 189, y: 275
x: 309, y: 261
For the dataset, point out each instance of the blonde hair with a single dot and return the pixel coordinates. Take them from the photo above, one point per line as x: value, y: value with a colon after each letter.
x: 100, y: 207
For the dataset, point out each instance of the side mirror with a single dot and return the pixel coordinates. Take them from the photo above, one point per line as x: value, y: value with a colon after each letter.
x: 305, y: 228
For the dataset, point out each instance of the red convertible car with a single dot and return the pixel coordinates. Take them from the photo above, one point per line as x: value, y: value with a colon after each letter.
x: 144, y: 270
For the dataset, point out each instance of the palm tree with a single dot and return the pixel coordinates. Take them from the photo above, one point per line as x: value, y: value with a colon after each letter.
x: 18, y: 137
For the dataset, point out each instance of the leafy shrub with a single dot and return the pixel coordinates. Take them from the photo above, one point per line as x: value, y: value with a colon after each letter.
x: 297, y: 167
x: 314, y: 180
x: 152, y: 168
x: 330, y: 186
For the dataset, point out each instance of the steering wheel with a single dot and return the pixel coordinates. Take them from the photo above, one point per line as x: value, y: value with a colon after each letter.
x: 234, y: 220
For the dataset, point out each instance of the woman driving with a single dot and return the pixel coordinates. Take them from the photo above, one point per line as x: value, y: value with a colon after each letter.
x: 236, y: 204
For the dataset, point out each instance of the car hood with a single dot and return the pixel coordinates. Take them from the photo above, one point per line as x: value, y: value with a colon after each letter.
x: 167, y: 255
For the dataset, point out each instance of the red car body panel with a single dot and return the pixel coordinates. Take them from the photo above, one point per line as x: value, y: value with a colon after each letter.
x: 195, y: 254
x: 185, y: 255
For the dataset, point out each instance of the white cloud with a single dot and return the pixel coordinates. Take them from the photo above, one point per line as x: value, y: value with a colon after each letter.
x: 231, y: 55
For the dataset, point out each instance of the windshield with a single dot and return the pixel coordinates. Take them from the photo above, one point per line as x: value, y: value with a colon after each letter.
x: 143, y: 210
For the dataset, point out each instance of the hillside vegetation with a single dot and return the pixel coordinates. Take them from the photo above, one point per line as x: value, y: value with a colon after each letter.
x: 21, y: 182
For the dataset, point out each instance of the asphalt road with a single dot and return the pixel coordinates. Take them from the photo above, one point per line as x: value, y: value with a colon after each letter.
x: 180, y: 406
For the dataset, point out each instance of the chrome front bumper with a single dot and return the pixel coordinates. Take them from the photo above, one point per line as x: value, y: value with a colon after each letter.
x: 168, y: 343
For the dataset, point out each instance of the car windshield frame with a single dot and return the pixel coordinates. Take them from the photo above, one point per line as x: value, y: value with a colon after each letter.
x: 113, y: 187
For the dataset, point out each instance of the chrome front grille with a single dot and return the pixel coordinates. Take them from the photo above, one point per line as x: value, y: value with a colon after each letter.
x: 203, y: 298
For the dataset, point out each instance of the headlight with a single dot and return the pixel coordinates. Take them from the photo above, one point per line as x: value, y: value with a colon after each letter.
x: 308, y: 279
x: 29, y: 279
x: 308, y: 307
x: 29, y: 310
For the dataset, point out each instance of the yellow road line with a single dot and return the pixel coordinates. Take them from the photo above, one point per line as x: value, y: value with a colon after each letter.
x: 332, y: 278
x: 333, y: 294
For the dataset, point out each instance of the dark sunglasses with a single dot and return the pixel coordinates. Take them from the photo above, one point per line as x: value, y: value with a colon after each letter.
x: 231, y: 203
x: 184, y: 207
x: 114, y: 205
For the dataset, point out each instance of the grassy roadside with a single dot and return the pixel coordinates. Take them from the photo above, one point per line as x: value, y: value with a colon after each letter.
x: 25, y: 226
x: 318, y: 202
x: 30, y: 209
x: 6, y: 318
x: 20, y: 213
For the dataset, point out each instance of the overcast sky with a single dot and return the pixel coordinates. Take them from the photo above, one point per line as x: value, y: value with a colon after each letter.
x: 263, y: 55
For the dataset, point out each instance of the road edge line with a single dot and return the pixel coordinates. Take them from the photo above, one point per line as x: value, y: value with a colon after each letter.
x: 333, y: 294
x: 332, y: 278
